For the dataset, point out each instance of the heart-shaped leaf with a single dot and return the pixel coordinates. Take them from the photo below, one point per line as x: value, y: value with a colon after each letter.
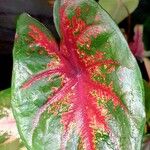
x: 119, y: 9
x: 84, y: 93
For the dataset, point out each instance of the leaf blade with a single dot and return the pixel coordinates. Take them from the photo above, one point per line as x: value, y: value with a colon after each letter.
x: 100, y: 82
x: 31, y: 42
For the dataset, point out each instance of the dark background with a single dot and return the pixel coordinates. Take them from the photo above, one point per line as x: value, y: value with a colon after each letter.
x: 42, y: 10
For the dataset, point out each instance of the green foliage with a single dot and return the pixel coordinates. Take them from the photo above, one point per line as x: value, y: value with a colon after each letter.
x: 119, y: 9
x: 5, y: 98
x: 147, y: 100
x: 9, y: 138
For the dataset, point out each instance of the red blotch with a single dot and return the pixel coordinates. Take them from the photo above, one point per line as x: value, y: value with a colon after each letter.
x: 78, y: 11
x: 40, y: 39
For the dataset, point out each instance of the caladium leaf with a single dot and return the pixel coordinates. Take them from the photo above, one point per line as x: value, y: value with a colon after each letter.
x: 84, y: 93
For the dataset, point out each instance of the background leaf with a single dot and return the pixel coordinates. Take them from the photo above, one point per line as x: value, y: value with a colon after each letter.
x: 119, y: 9
x: 146, y: 142
x: 147, y: 99
x: 147, y: 66
x: 137, y: 46
x: 9, y: 137
x: 5, y: 98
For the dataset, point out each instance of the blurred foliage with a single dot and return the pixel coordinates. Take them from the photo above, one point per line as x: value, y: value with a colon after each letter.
x: 119, y: 9
x: 9, y: 137
x: 5, y: 98
x: 146, y: 142
x: 147, y: 100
